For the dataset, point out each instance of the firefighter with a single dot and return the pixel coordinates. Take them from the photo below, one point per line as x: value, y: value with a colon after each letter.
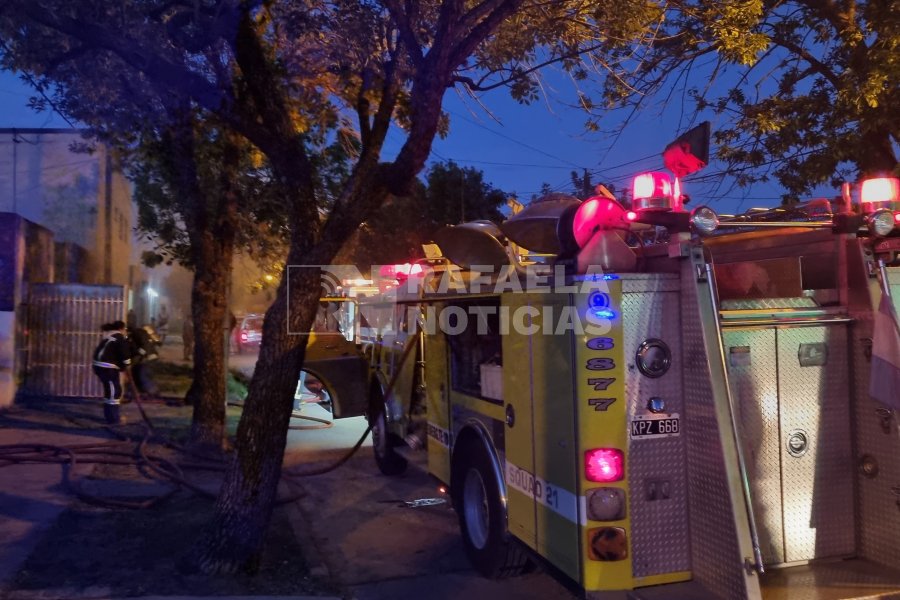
x: 143, y: 350
x: 112, y: 356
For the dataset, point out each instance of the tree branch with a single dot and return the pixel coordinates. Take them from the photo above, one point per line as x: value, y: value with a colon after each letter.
x: 482, y: 30
x: 403, y: 20
x: 476, y: 86
x: 813, y: 62
x: 158, y: 68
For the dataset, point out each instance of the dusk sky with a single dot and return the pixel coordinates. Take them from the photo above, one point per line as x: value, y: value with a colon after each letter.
x: 530, y: 145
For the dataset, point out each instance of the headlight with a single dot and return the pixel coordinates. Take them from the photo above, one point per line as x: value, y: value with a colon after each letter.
x: 881, y: 222
x: 704, y: 220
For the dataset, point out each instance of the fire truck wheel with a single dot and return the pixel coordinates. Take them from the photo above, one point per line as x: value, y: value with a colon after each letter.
x: 482, y: 518
x: 386, y: 457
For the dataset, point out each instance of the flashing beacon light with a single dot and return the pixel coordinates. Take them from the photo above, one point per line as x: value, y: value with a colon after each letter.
x: 401, y: 271
x: 879, y: 192
x: 604, y: 465
x: 594, y: 214
x: 654, y: 191
x: 677, y: 203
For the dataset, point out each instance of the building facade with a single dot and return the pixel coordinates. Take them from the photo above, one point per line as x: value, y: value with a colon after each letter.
x: 67, y: 217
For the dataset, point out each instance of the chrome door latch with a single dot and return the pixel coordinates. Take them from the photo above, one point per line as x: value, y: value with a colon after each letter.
x: 886, y: 416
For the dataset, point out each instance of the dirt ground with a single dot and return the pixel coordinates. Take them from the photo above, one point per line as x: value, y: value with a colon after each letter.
x: 91, y: 550
x: 141, y: 552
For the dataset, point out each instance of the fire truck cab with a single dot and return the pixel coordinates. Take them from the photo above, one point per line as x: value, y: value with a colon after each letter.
x: 661, y: 404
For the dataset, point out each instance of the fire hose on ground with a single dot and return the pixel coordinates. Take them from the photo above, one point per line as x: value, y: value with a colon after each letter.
x: 125, y: 452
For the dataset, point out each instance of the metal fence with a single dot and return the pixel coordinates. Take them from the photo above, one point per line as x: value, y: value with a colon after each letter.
x: 62, y: 330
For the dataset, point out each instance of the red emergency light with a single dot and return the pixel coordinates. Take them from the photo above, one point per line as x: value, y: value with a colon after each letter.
x: 594, y: 214
x: 604, y: 465
x: 400, y: 271
x: 879, y: 192
x: 655, y: 191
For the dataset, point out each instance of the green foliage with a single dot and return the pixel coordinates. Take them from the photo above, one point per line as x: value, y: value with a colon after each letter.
x: 455, y: 194
x: 167, y: 215
x: 812, y: 89
x: 450, y: 194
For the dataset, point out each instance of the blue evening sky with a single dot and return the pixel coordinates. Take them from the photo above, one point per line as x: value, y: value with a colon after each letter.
x: 520, y: 147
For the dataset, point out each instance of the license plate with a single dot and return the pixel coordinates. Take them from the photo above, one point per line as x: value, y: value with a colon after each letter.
x: 655, y: 426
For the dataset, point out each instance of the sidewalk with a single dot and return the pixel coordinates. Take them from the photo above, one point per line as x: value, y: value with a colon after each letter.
x: 32, y: 496
x: 52, y: 545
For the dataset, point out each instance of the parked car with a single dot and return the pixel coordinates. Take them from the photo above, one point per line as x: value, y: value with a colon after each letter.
x: 248, y: 333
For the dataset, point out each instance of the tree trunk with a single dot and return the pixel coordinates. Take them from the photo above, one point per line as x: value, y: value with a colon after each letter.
x: 209, y: 311
x: 245, y: 502
x: 210, y: 217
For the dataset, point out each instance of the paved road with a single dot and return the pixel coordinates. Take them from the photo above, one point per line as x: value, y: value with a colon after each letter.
x: 377, y: 547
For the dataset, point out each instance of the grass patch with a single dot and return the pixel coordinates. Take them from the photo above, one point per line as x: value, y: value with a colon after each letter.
x: 133, y: 553
x: 174, y: 380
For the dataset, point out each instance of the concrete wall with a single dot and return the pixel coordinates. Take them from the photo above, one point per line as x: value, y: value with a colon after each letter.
x: 26, y: 256
x: 12, y: 255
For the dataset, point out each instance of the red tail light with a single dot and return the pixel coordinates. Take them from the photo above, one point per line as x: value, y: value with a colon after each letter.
x: 244, y: 336
x: 604, y: 465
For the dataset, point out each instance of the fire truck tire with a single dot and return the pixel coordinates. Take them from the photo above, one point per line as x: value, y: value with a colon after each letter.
x: 482, y: 517
x: 383, y: 442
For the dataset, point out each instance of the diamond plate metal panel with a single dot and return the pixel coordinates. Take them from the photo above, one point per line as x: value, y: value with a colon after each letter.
x: 649, y: 282
x: 833, y: 580
x: 769, y: 303
x: 751, y: 358
x: 878, y: 517
x: 659, y: 527
x: 817, y: 483
x: 715, y: 555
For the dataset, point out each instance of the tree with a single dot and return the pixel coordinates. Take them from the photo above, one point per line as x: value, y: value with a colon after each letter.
x: 203, y: 194
x: 582, y: 185
x: 813, y: 86
x: 457, y: 194
x: 395, y: 234
x: 280, y: 74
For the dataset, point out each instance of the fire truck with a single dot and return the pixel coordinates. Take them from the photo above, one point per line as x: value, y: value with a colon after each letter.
x: 660, y: 403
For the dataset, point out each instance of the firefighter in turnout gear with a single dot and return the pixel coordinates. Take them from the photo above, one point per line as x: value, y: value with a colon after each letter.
x: 112, y: 356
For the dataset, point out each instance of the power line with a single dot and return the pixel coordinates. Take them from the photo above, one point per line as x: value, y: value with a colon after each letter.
x: 515, y: 141
x: 501, y: 164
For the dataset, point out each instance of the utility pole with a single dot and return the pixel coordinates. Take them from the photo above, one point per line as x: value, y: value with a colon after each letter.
x: 15, y: 169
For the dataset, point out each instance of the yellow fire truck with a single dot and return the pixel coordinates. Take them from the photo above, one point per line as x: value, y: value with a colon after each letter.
x: 659, y: 403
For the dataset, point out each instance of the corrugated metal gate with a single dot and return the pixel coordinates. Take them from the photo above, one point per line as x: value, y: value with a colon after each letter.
x: 63, y: 323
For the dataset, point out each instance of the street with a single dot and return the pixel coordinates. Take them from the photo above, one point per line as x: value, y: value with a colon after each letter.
x: 376, y: 546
